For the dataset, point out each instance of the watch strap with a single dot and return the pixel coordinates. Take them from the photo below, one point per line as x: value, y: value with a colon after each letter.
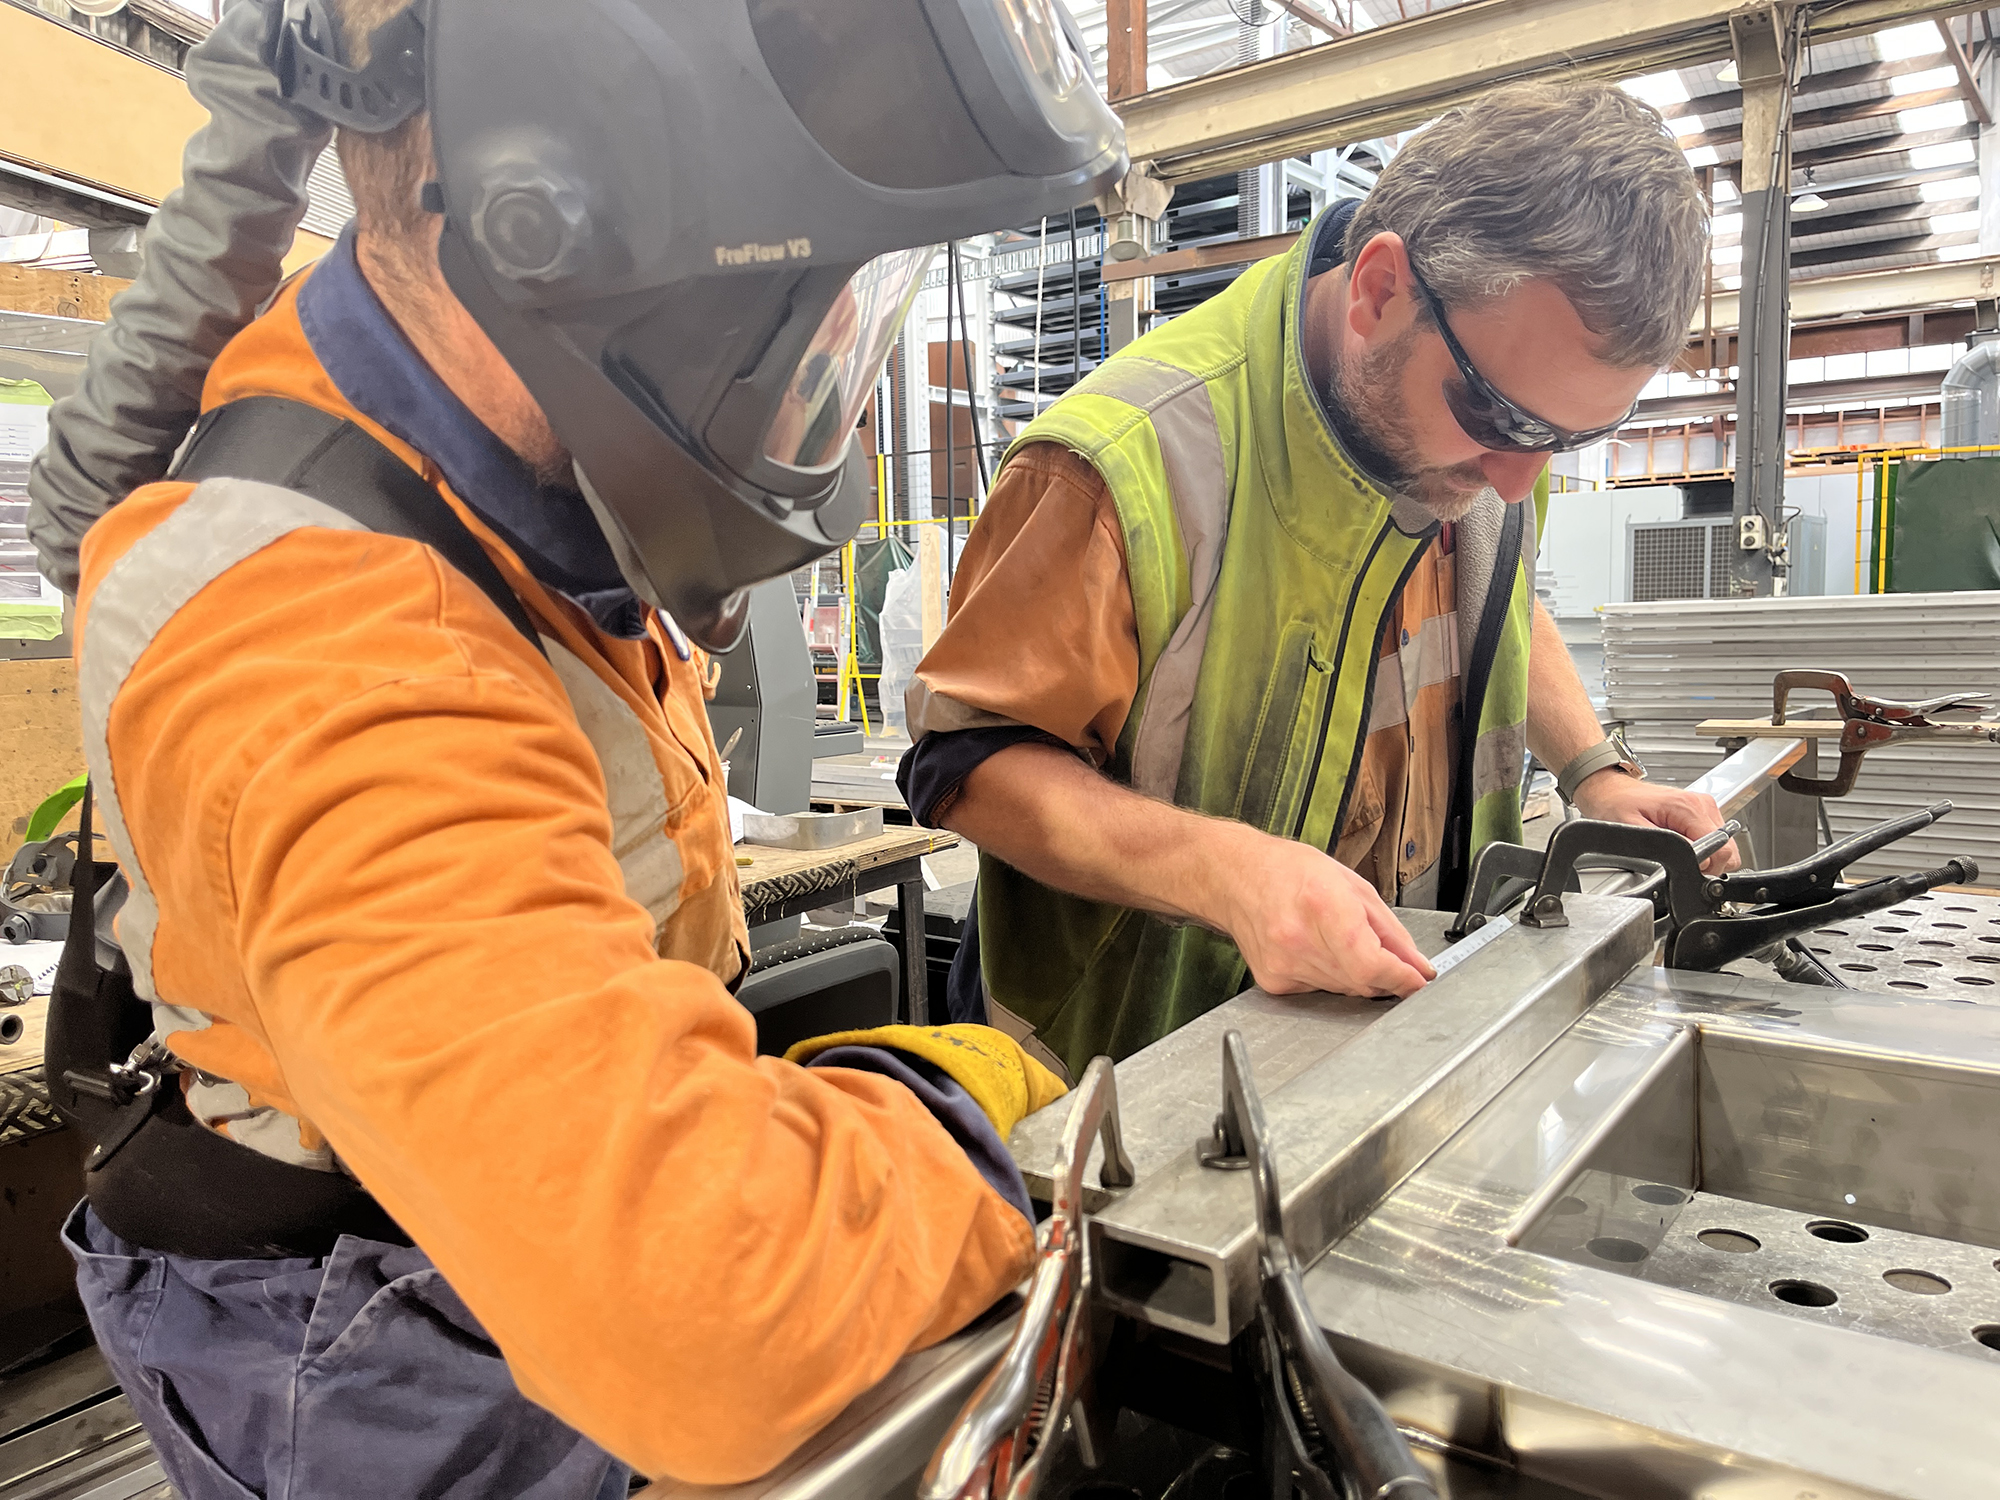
x: 1600, y: 756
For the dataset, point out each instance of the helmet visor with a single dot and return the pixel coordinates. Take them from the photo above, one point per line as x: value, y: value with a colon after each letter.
x: 824, y: 397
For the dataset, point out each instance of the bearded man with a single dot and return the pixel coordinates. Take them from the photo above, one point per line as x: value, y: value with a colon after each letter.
x: 1245, y: 648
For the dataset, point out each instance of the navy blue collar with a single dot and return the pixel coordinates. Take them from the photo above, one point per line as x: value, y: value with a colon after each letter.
x: 381, y: 374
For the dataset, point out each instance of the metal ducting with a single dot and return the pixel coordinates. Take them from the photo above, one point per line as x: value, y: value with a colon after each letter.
x: 1971, y: 394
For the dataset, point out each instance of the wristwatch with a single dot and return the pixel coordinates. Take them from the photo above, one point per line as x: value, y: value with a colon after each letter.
x: 1601, y: 756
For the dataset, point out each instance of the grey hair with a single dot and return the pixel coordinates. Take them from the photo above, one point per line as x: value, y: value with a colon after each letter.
x: 1579, y: 184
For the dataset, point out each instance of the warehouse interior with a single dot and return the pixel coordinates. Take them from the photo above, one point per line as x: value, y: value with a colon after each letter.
x: 1676, y: 1180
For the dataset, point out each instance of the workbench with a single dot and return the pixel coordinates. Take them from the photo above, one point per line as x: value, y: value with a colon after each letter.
x: 780, y: 883
x: 24, y: 1096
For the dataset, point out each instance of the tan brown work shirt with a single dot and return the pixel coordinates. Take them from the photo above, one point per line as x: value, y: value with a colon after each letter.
x: 1041, y: 632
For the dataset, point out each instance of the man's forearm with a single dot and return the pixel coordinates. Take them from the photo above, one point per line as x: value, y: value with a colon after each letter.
x: 1050, y: 816
x: 1562, y: 724
x: 1303, y: 921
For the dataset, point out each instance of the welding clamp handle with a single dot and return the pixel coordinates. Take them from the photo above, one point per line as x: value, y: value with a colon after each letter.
x: 1711, y: 942
x: 1817, y: 876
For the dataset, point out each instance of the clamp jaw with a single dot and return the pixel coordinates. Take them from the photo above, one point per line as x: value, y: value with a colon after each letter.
x: 1000, y: 1445
x: 1705, y: 921
x: 1326, y: 1436
x: 1869, y: 723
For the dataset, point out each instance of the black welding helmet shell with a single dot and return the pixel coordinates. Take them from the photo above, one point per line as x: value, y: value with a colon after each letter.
x: 694, y: 230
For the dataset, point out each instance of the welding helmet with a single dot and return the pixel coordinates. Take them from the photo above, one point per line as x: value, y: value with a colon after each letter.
x: 694, y: 231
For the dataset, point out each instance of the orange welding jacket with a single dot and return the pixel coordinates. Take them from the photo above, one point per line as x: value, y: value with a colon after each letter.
x: 457, y: 919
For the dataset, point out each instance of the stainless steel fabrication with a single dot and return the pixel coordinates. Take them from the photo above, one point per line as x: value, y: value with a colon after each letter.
x: 1584, y: 1226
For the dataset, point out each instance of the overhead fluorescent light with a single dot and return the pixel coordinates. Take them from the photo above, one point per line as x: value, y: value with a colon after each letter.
x: 1961, y: 252
x: 1726, y: 224
x: 1703, y: 156
x: 1727, y: 255
x: 1954, y: 223
x: 1725, y: 191
x: 1684, y: 126
x: 1919, y: 39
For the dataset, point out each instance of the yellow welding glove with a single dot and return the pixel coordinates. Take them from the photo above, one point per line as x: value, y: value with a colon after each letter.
x: 1004, y: 1081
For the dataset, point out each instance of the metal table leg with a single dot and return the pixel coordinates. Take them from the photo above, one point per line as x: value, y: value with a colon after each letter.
x: 916, y: 972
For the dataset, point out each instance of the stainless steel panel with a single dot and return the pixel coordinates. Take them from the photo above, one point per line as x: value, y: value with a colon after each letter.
x: 1169, y: 1093
x: 1904, y: 1142
x: 1177, y: 1250
x: 1944, y: 945
x: 1832, y: 1270
x: 880, y: 1442
x: 811, y: 830
x: 1590, y: 1374
x: 34, y: 1397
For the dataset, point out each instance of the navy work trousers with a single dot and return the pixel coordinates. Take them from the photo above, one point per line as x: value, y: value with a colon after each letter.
x: 360, y: 1376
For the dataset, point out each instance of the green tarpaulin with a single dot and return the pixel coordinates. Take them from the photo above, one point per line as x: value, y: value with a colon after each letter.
x: 1947, y: 526
x: 873, y: 563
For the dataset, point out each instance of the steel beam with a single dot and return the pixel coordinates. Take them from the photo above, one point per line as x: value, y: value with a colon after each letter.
x: 1875, y: 292
x: 1767, y: 47
x: 1378, y: 82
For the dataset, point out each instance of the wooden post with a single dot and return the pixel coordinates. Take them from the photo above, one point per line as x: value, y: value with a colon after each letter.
x: 1125, y: 66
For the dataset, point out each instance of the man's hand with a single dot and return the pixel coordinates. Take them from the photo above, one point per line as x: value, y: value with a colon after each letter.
x: 1304, y: 921
x: 1612, y: 796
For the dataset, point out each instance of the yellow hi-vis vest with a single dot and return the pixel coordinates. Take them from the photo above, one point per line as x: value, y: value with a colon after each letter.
x: 1263, y: 565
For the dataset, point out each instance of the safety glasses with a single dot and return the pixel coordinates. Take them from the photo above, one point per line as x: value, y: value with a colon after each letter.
x: 1489, y: 418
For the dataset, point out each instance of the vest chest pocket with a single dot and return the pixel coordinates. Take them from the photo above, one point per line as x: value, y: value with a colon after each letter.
x: 1274, y: 776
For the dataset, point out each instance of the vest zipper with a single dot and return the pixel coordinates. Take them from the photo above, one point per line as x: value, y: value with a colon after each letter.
x: 1368, y: 690
x: 1454, y: 861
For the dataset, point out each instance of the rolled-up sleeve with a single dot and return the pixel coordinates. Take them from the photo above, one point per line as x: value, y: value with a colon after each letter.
x: 1041, y: 642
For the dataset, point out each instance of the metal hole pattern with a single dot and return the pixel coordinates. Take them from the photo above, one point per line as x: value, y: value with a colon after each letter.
x: 1923, y: 1290
x: 1944, y: 947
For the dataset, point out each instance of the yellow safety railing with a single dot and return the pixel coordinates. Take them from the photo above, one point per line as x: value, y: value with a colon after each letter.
x: 850, y: 662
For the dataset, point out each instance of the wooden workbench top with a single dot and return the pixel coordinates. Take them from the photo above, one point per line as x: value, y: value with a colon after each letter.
x: 19, y: 1057
x: 771, y: 875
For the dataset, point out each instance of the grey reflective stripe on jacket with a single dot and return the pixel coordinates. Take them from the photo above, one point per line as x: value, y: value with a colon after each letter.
x: 1183, y: 419
x: 221, y: 523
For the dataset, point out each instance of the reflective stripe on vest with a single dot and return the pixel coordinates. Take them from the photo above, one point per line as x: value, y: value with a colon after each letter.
x: 219, y: 524
x: 1190, y: 440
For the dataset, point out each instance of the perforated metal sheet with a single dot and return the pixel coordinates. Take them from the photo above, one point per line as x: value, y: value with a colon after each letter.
x: 1843, y: 1272
x: 1943, y: 946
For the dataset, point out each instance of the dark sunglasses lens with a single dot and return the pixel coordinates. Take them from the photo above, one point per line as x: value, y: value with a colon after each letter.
x: 1496, y: 427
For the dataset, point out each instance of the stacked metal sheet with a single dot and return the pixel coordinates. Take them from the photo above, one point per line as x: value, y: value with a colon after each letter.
x: 1668, y: 666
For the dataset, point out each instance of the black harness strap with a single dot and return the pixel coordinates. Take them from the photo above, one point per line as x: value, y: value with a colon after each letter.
x: 155, y: 1175
x: 299, y: 447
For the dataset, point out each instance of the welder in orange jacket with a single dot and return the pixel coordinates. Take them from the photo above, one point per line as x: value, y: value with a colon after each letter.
x: 428, y: 903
